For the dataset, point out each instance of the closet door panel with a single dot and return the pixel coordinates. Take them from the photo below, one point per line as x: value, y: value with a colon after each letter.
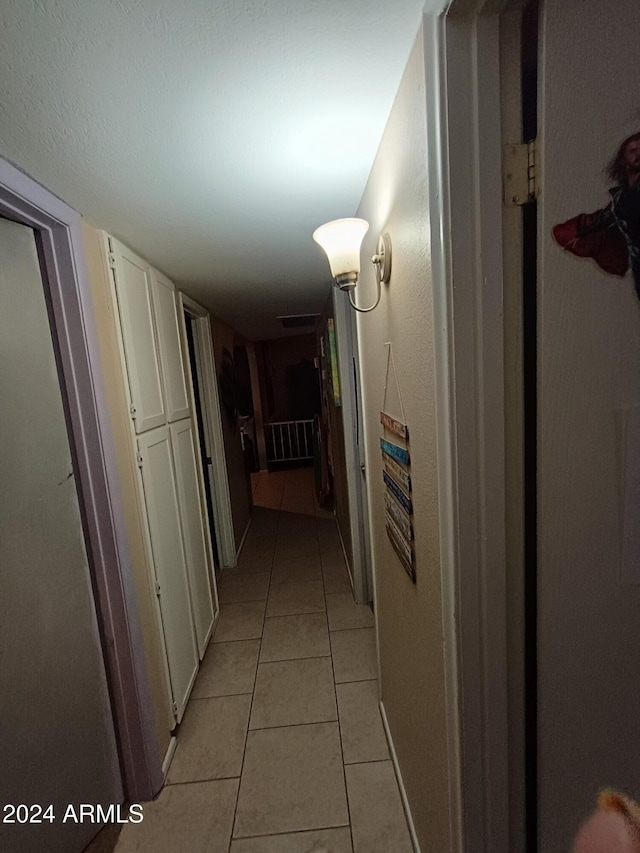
x: 163, y: 514
x: 193, y: 521
x: 173, y: 374
x: 136, y: 320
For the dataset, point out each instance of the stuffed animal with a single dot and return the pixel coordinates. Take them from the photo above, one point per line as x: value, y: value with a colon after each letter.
x: 613, y: 828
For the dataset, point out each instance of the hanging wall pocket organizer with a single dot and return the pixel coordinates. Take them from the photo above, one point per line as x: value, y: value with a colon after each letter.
x: 396, y: 474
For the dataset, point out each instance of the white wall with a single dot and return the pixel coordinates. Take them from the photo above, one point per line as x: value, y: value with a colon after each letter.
x: 409, y: 617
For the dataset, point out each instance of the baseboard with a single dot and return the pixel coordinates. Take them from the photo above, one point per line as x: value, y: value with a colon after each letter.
x: 403, y: 792
x: 169, y: 756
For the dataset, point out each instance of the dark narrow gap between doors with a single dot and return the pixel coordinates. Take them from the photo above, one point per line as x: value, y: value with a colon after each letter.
x: 530, y: 354
x: 204, y: 460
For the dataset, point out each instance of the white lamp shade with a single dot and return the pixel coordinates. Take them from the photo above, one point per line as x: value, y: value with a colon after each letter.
x: 341, y: 240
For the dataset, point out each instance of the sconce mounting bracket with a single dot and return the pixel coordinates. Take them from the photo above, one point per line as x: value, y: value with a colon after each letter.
x: 382, y: 259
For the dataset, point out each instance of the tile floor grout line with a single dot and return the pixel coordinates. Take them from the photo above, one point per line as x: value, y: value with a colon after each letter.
x: 199, y: 781
x: 335, y: 691
x: 220, y: 696
x: 287, y: 660
x: 371, y: 761
x: 287, y: 615
x: 253, y: 692
x: 244, y: 601
x: 362, y: 628
x: 307, y: 657
x: 297, y: 726
x: 297, y: 613
x: 292, y: 832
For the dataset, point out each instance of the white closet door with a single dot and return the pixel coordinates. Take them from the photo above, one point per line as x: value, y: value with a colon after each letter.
x: 136, y: 320
x: 199, y: 559
x: 161, y: 498
x: 173, y: 374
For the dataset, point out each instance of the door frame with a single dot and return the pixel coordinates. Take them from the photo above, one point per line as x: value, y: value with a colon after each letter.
x: 210, y: 405
x: 465, y: 188
x: 349, y: 373
x: 60, y: 244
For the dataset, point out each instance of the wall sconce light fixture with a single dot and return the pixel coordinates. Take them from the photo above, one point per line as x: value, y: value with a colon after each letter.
x: 341, y: 240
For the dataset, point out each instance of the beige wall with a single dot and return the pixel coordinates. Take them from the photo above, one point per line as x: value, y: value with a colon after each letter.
x: 239, y: 482
x: 409, y: 616
x: 133, y: 512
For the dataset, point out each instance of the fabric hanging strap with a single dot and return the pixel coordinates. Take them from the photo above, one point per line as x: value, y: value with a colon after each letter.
x: 391, y: 361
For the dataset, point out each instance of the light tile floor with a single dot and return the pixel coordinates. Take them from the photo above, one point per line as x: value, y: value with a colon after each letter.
x: 282, y: 748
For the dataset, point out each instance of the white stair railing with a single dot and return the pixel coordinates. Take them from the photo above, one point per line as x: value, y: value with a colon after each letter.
x: 290, y: 441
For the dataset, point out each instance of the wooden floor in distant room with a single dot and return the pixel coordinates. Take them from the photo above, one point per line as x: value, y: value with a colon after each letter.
x: 289, y: 491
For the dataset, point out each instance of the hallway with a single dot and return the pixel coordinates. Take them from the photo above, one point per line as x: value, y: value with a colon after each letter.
x: 282, y: 748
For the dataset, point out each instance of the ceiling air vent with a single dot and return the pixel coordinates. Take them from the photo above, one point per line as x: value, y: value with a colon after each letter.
x: 298, y: 321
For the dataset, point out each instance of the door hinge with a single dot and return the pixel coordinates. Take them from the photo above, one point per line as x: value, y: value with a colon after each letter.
x: 140, y: 460
x: 158, y: 589
x: 112, y: 260
x: 519, y: 175
x: 174, y: 707
x: 132, y: 409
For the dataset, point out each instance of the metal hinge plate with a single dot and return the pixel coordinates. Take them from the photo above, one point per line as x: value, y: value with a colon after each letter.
x: 175, y: 709
x: 139, y: 458
x: 112, y: 260
x: 519, y: 177
x: 158, y: 589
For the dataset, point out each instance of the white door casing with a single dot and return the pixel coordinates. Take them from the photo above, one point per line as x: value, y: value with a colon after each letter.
x: 170, y: 569
x: 463, y: 137
x: 168, y: 336
x: 197, y: 546
x: 213, y: 436
x: 136, y: 319
x: 346, y: 341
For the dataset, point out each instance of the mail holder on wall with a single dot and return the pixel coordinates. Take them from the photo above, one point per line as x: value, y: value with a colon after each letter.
x: 396, y: 474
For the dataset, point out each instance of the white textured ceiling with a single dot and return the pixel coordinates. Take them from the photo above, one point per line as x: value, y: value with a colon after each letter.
x: 212, y: 136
